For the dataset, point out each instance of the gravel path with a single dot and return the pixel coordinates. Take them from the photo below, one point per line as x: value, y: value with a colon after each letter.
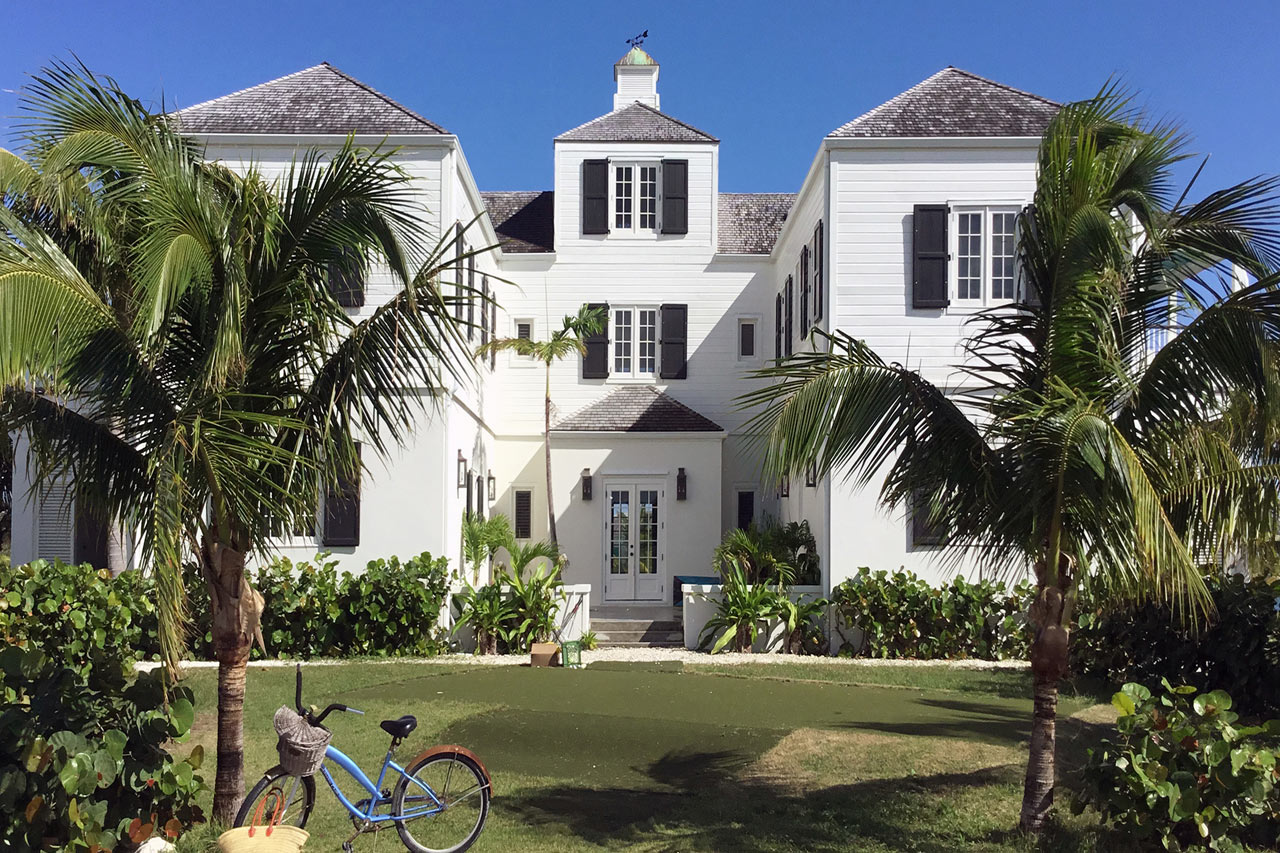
x: 636, y: 655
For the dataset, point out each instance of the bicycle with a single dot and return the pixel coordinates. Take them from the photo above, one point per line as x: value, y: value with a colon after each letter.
x: 424, y: 806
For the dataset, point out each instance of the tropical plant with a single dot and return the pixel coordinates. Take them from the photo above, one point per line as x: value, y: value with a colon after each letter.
x: 481, y: 539
x: 743, y: 606
x: 1184, y: 771
x: 773, y: 553
x: 803, y: 624
x: 170, y: 340
x: 590, y: 641
x: 566, y: 341
x: 525, y: 555
x: 1084, y: 448
x: 489, y: 612
x: 534, y: 602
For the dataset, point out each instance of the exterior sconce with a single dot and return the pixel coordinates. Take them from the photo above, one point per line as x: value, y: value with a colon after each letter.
x: 784, y: 486
x: 682, y: 485
x: 493, y: 487
x: 462, y: 471
x: 811, y: 475
x: 586, y: 484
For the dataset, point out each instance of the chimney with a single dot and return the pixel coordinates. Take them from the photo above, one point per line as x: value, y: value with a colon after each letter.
x: 637, y: 77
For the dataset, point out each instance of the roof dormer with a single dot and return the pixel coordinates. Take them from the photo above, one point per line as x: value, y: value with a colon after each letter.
x: 636, y: 74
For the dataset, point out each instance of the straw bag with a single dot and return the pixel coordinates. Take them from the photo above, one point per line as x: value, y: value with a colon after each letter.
x: 263, y: 839
x: 301, y: 745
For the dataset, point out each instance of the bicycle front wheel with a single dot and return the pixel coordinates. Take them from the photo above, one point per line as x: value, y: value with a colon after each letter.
x: 441, y: 803
x: 293, y: 796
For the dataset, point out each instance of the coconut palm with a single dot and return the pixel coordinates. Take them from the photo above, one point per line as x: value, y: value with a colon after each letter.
x: 169, y: 340
x: 1077, y: 447
x: 566, y: 341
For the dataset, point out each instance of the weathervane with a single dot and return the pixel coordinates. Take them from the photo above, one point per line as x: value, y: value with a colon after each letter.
x: 638, y: 40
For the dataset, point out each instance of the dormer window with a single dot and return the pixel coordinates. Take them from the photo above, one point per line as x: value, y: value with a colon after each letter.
x: 635, y: 197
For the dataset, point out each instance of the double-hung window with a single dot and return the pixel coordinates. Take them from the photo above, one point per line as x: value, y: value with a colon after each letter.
x: 985, y: 250
x: 635, y: 197
x: 634, y: 333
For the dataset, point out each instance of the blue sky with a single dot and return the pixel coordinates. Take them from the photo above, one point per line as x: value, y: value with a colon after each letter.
x: 769, y: 79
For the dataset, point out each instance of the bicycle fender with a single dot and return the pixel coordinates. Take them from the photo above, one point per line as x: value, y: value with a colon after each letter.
x: 454, y: 749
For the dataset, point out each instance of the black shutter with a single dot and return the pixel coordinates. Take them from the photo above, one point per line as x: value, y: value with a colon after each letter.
x: 790, y: 330
x: 471, y: 297
x: 595, y: 364
x: 746, y: 509
x: 1030, y: 292
x: 471, y: 494
x: 929, y: 256
x: 804, y: 292
x: 346, y: 283
x: 675, y: 342
x: 484, y: 309
x: 524, y: 514
x: 479, y: 497
x: 90, y: 543
x: 777, y: 327
x: 817, y: 272
x: 595, y: 197
x: 675, y: 196
x: 458, y: 252
x: 922, y: 532
x: 493, y: 324
x: 342, y: 509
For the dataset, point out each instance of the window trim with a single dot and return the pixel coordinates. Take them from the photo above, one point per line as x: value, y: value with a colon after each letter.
x: 987, y: 210
x: 634, y: 374
x: 755, y: 320
x: 635, y: 229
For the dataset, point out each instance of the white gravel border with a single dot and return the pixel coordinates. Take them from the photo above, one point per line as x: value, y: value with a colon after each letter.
x: 630, y: 655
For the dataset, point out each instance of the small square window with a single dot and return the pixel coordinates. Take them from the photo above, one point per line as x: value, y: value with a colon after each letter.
x: 746, y: 339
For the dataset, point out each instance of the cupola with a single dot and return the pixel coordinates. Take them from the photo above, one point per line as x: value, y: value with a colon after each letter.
x: 636, y: 74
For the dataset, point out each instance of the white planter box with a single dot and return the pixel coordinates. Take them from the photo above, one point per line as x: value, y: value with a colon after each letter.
x: 702, y: 600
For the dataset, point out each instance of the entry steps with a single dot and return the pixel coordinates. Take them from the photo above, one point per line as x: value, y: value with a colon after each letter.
x: 638, y: 633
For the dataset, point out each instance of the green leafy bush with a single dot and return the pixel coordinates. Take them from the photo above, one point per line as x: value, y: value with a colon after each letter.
x: 899, y: 615
x: 771, y: 553
x: 393, y: 608
x: 1184, y: 773
x: 1239, y: 652
x: 533, y: 600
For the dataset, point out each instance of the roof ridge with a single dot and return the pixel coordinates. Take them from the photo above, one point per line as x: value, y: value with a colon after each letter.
x: 385, y: 98
x: 1005, y: 86
x: 684, y: 124
x: 645, y: 106
x: 893, y: 100
x: 254, y: 86
x: 770, y: 192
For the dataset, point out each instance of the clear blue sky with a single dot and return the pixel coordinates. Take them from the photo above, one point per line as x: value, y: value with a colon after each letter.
x: 770, y: 79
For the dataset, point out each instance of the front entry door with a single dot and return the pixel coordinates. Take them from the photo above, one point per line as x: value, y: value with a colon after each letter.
x: 634, y: 520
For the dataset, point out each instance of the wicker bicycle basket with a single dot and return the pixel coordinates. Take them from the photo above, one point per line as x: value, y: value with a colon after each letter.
x: 301, y: 745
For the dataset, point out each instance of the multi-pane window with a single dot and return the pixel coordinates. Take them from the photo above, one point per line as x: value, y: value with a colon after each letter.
x: 635, y: 341
x: 1003, y: 245
x: 635, y: 197
x: 986, y: 246
x: 969, y: 255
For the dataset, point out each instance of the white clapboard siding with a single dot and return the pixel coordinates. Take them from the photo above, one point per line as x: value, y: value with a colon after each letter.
x: 55, y: 529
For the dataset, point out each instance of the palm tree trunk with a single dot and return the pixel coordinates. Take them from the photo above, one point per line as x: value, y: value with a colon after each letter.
x: 551, y: 508
x: 235, y: 618
x: 1051, y: 617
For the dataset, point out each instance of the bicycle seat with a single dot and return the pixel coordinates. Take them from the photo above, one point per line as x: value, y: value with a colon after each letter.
x: 400, y: 728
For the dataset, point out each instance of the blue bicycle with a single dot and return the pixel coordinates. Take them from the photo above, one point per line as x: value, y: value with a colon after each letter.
x: 438, y: 804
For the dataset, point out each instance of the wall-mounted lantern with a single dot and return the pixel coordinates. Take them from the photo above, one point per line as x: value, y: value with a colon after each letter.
x: 784, y: 486
x: 462, y: 471
x: 586, y: 484
x: 811, y: 475
x: 682, y: 485
x: 493, y: 487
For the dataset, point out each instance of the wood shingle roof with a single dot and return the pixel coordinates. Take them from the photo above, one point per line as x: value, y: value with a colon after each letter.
x: 955, y: 103
x: 749, y: 223
x: 636, y: 408
x: 525, y: 221
x: 319, y: 99
x: 635, y: 122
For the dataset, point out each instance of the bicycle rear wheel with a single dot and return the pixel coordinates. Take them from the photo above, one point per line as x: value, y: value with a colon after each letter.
x: 295, y: 795
x: 443, y: 800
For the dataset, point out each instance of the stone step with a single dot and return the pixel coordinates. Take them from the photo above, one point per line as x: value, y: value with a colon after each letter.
x: 655, y: 644
x: 606, y: 625
x: 614, y: 638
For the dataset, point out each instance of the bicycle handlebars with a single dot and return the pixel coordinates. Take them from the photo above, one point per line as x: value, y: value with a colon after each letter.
x: 317, y: 719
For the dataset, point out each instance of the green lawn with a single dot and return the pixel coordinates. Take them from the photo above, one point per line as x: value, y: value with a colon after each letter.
x: 645, y: 757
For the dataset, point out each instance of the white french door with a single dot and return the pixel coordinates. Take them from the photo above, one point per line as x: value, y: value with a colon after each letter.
x: 634, y: 568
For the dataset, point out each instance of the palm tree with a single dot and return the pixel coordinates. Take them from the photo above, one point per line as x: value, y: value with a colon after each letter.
x: 566, y: 341
x: 169, y: 339
x: 1079, y: 449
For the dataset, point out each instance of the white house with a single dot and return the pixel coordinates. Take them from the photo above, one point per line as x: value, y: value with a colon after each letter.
x: 902, y: 230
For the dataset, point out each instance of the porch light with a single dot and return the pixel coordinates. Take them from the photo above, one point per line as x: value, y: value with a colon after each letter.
x: 784, y: 486
x: 682, y: 485
x: 586, y: 484
x: 811, y: 475
x: 462, y: 471
x: 493, y: 487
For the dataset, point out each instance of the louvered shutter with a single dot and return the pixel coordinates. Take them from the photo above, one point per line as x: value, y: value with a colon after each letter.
x: 90, y: 540
x: 471, y: 298
x: 675, y: 196
x: 524, y: 514
x: 777, y: 327
x: 790, y: 330
x: 54, y: 531
x: 818, y: 294
x: 346, y: 283
x: 484, y: 309
x: 458, y: 252
x: 595, y: 197
x: 493, y: 324
x: 1030, y: 293
x: 804, y: 291
x: 675, y: 342
x: 929, y: 256
x: 595, y: 364
x: 342, y: 509
x: 746, y: 509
